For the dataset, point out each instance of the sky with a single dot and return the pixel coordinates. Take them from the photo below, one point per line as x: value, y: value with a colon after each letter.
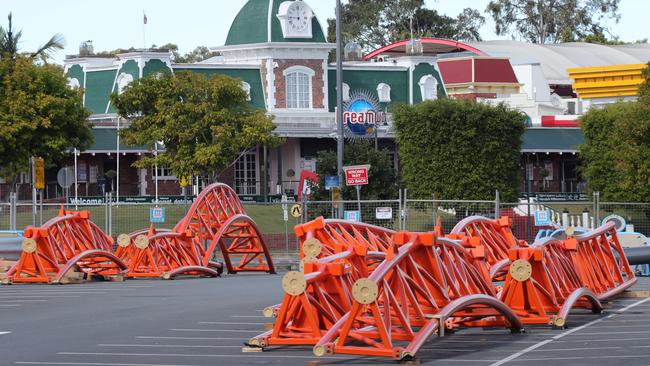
x: 119, y: 23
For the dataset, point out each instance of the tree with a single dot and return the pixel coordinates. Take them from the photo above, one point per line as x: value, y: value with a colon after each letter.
x: 39, y: 115
x: 199, y: 54
x: 616, y: 152
x: 543, y: 21
x: 459, y: 149
x: 376, y: 23
x: 10, y: 40
x: 382, y: 182
x: 203, y: 123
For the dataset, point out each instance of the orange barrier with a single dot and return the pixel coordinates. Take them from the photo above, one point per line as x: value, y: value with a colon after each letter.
x: 553, y: 276
x: 67, y: 241
x: 216, y: 221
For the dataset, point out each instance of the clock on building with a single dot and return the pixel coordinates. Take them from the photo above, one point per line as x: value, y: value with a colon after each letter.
x: 296, y: 19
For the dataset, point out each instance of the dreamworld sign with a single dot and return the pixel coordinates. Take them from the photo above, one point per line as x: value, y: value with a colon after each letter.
x: 362, y: 114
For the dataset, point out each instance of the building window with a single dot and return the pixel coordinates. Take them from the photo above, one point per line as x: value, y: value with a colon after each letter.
x: 428, y: 87
x: 247, y: 174
x: 383, y: 91
x: 163, y: 173
x: 246, y: 87
x: 122, y: 81
x: 298, y: 87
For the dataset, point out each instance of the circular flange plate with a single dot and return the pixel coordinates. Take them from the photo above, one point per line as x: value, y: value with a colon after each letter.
x: 365, y: 291
x: 123, y: 240
x: 307, y: 259
x: 29, y: 245
x: 141, y: 242
x: 312, y: 247
x: 559, y: 322
x: 570, y: 231
x: 521, y: 270
x: 294, y: 283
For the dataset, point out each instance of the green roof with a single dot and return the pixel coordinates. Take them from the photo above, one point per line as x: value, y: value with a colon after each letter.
x: 106, y: 140
x: 552, y: 140
x: 251, y: 25
x: 360, y: 80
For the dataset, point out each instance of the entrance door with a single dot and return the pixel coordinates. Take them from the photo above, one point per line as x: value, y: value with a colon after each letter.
x: 247, y: 174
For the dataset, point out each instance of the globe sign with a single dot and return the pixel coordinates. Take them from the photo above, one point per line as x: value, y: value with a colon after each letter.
x: 361, y: 115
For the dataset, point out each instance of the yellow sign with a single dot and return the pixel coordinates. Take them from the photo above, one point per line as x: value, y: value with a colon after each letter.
x: 336, y: 195
x: 39, y: 173
x: 296, y: 211
x: 185, y: 181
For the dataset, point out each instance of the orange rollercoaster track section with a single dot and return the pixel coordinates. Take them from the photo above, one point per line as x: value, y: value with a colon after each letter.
x: 68, y: 241
x: 215, y: 221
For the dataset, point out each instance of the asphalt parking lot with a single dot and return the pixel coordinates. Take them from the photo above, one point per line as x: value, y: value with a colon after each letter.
x: 192, y: 322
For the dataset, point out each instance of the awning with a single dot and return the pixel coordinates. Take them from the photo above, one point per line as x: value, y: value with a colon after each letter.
x: 106, y: 141
x: 557, y: 140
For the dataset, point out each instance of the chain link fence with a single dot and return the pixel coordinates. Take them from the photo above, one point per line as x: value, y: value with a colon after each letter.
x: 276, y: 222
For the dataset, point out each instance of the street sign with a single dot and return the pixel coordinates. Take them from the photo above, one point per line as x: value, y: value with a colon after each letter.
x: 65, y: 177
x: 618, y: 220
x: 157, y: 215
x: 184, y: 180
x: 542, y: 218
x: 296, y: 211
x: 336, y: 195
x: 352, y: 216
x: 384, y: 213
x: 39, y: 173
x: 331, y: 181
x: 356, y: 175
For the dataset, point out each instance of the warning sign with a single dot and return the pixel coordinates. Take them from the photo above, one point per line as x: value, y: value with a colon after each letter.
x: 296, y: 211
x: 39, y: 173
x: 356, y: 175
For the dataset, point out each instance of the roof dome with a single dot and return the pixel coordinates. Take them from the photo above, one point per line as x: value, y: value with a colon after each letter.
x: 252, y: 25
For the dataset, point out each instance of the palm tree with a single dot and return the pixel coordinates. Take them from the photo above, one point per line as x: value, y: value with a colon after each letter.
x: 9, y: 41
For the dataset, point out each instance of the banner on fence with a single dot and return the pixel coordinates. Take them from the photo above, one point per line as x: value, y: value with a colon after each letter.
x: 157, y: 215
x: 352, y: 216
x: 384, y: 213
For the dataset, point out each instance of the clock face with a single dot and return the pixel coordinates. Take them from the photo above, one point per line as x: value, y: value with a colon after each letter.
x: 299, y: 17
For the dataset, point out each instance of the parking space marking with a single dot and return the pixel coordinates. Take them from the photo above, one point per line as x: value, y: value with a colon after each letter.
x: 194, y: 355
x: 564, y: 334
x: 37, y: 296
x: 249, y: 316
x: 195, y: 338
x: 217, y: 330
x: 166, y: 345
x: 231, y: 323
x: 93, y: 363
x: 11, y: 305
x: 4, y: 332
x: 32, y: 300
x: 580, y: 358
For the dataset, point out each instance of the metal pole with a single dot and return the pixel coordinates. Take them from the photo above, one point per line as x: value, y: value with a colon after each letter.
x: 405, y: 213
x: 399, y: 210
x: 31, y: 160
x: 434, y: 211
x: 12, y: 211
x: 497, y: 204
x: 76, y: 183
x: 358, y: 199
x: 339, y: 98
x: 156, y: 172
x: 41, y: 209
x: 528, y: 229
x: 117, y: 190
x: 597, y: 208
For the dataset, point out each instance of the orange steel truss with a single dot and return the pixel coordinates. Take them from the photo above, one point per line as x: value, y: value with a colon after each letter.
x: 216, y: 220
x: 67, y: 241
x: 553, y: 276
x: 365, y: 290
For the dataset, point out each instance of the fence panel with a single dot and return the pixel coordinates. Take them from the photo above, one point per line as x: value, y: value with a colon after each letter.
x: 636, y: 215
x: 420, y: 215
x: 384, y: 213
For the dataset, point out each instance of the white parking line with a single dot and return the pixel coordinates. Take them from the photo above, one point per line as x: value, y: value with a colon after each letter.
x: 93, y: 363
x: 37, y: 300
x: 37, y: 296
x: 165, y: 346
x: 232, y: 323
x: 195, y: 338
x: 3, y: 333
x: 216, y: 330
x: 564, y: 334
x: 193, y: 355
x: 581, y: 358
x: 249, y: 316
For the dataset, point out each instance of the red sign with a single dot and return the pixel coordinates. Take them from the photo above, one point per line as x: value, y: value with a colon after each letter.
x: 356, y: 175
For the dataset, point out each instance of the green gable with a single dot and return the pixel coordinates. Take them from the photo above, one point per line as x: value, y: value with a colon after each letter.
x: 99, y: 86
x: 421, y: 70
x: 76, y: 72
x: 251, y: 76
x: 153, y: 66
x: 368, y: 80
x: 251, y: 25
x: 130, y: 67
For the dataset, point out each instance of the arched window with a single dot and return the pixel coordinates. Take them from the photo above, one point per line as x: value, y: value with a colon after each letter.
x: 298, y: 87
x: 246, y: 87
x: 122, y: 81
x: 428, y: 87
x: 346, y: 92
x: 383, y: 91
x: 73, y: 83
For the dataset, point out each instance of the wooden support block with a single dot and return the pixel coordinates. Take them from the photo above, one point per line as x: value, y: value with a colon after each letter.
x: 635, y: 294
x: 252, y: 349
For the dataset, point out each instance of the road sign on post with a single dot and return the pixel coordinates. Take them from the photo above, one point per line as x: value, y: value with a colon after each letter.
x: 356, y: 175
x: 157, y: 215
x: 331, y: 181
x: 39, y: 173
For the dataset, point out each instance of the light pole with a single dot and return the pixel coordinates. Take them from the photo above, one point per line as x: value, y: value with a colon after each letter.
x: 339, y: 100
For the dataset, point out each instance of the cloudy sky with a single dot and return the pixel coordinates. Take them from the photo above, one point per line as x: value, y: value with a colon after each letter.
x: 118, y: 23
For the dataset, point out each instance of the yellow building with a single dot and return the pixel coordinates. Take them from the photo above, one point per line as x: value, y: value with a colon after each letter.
x: 600, y: 85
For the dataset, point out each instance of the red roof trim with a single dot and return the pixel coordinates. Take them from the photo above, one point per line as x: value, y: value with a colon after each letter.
x: 440, y: 41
